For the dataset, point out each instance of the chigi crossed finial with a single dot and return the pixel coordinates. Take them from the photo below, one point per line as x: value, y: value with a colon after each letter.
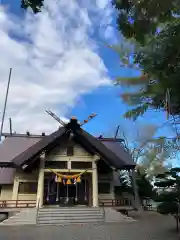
x: 90, y: 117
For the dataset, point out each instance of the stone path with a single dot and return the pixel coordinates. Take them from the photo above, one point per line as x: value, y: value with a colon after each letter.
x: 149, y: 226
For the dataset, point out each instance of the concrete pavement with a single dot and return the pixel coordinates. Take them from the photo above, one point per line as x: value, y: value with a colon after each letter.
x: 149, y: 226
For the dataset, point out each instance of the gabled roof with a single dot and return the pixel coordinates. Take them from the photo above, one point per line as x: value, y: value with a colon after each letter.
x: 12, y: 147
x: 120, y: 151
x: 38, y: 147
x: 112, y: 153
x: 118, y: 159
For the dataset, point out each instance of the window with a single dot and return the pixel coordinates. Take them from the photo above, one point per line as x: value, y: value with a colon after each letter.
x: 104, y: 188
x: 27, y: 188
x: 70, y: 151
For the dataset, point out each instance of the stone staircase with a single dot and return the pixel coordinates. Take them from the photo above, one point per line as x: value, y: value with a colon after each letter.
x: 65, y: 216
x: 70, y: 215
x: 24, y: 217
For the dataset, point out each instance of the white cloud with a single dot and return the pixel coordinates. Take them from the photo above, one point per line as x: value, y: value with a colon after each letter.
x: 53, y: 59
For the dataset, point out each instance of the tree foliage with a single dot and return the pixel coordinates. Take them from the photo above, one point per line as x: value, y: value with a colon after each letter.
x: 35, y: 5
x: 139, y: 18
x: 151, y: 154
x: 144, y: 186
x: 153, y: 28
x: 169, y: 197
x: 125, y: 183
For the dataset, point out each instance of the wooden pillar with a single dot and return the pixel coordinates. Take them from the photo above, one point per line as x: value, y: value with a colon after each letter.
x: 15, y: 189
x: 40, y: 188
x: 113, y: 178
x: 94, y: 185
x: 135, y: 189
x: 90, y: 189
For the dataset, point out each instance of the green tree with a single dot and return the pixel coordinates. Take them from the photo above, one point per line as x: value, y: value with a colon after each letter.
x: 35, y: 5
x: 169, y: 197
x: 140, y: 18
x: 152, y: 28
x: 157, y: 156
x: 145, y: 187
x: 125, y: 184
x: 151, y: 154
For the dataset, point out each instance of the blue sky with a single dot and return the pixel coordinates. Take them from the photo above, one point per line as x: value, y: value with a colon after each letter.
x: 103, y: 99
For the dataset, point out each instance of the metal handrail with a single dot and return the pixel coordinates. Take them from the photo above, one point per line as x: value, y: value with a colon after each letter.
x: 37, y: 213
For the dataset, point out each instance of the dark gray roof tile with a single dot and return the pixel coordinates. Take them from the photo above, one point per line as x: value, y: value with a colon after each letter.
x: 7, y: 175
x: 119, y: 150
x: 11, y: 147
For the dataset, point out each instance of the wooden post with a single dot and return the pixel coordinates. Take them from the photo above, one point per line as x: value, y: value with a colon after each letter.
x: 15, y: 189
x: 95, y: 185
x: 135, y: 189
x: 40, y: 189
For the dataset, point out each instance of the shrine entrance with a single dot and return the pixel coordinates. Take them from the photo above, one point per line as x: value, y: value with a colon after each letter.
x: 67, y: 193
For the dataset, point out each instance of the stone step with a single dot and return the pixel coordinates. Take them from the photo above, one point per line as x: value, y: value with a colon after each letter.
x: 20, y: 220
x: 69, y: 213
x: 59, y: 222
x: 69, y: 210
x: 72, y: 224
x: 71, y: 217
x: 18, y: 223
x: 56, y: 216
